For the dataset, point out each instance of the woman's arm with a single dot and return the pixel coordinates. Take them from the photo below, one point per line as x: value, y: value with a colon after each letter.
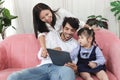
x: 42, y: 41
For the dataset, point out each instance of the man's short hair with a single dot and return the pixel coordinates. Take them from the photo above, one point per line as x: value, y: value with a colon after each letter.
x: 74, y: 22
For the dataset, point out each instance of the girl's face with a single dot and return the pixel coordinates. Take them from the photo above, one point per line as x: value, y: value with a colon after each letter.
x: 84, y: 41
x: 46, y: 16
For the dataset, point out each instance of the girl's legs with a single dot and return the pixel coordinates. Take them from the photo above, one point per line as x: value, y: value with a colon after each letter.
x: 86, y: 76
x: 102, y: 75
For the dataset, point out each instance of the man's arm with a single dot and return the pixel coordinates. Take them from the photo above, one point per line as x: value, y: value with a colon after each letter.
x: 57, y: 48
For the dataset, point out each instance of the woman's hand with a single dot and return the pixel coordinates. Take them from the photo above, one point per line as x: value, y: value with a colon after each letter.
x: 44, y: 52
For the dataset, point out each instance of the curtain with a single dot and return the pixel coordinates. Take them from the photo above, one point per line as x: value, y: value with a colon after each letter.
x: 80, y: 8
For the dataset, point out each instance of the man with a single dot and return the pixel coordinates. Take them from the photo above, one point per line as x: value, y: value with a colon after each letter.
x: 47, y: 70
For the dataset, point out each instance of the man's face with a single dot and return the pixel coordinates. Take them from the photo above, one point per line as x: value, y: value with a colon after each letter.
x: 68, y: 32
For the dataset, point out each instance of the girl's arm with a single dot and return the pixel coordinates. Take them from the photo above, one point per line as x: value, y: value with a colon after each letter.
x: 100, y: 59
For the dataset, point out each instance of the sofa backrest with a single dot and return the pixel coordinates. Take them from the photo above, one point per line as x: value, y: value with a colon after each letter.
x: 21, y: 50
x: 110, y: 46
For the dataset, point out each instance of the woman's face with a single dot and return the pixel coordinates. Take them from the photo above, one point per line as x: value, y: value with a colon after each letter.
x: 46, y: 16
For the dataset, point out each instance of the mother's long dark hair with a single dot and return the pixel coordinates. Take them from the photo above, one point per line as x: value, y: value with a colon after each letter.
x: 38, y: 24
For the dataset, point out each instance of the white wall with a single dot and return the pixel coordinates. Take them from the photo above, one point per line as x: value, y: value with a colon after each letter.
x: 80, y: 8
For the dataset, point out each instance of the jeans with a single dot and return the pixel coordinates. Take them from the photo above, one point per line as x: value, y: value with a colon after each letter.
x: 44, y: 72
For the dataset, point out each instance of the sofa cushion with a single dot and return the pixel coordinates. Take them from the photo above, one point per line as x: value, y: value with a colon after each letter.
x: 4, y: 73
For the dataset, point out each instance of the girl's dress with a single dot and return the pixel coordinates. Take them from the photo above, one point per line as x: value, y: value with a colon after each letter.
x: 83, y: 62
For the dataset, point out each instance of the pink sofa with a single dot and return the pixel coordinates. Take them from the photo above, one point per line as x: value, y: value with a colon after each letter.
x: 19, y: 51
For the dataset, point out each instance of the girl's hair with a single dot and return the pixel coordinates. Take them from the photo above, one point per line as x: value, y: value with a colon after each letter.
x: 38, y: 24
x: 88, y: 33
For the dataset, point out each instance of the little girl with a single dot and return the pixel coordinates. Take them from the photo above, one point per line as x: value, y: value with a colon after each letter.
x: 90, y: 57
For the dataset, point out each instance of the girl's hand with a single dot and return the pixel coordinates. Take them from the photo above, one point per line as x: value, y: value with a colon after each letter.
x: 92, y: 64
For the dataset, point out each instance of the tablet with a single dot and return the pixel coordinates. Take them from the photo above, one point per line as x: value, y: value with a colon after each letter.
x: 59, y: 57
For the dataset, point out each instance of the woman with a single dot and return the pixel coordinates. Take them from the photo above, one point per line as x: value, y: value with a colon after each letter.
x: 45, y: 20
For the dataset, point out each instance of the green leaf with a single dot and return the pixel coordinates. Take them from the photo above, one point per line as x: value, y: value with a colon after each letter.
x: 116, y: 13
x: 102, y: 25
x: 104, y: 19
x: 7, y: 22
x: 92, y: 16
x: 91, y: 23
x: 114, y: 9
x: 1, y: 2
x: 1, y: 10
x: 13, y: 17
x: 98, y: 21
x: 1, y: 18
x: 13, y: 27
x: 1, y: 26
x: 6, y: 14
x: 99, y: 16
x: 119, y: 18
x: 115, y: 3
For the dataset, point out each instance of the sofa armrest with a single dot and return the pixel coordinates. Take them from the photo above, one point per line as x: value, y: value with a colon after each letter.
x: 3, y: 57
x: 110, y: 46
x: 114, y: 58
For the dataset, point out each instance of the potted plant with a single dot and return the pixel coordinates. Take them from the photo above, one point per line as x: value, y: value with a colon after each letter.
x: 5, y: 19
x: 97, y: 21
x: 116, y: 8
